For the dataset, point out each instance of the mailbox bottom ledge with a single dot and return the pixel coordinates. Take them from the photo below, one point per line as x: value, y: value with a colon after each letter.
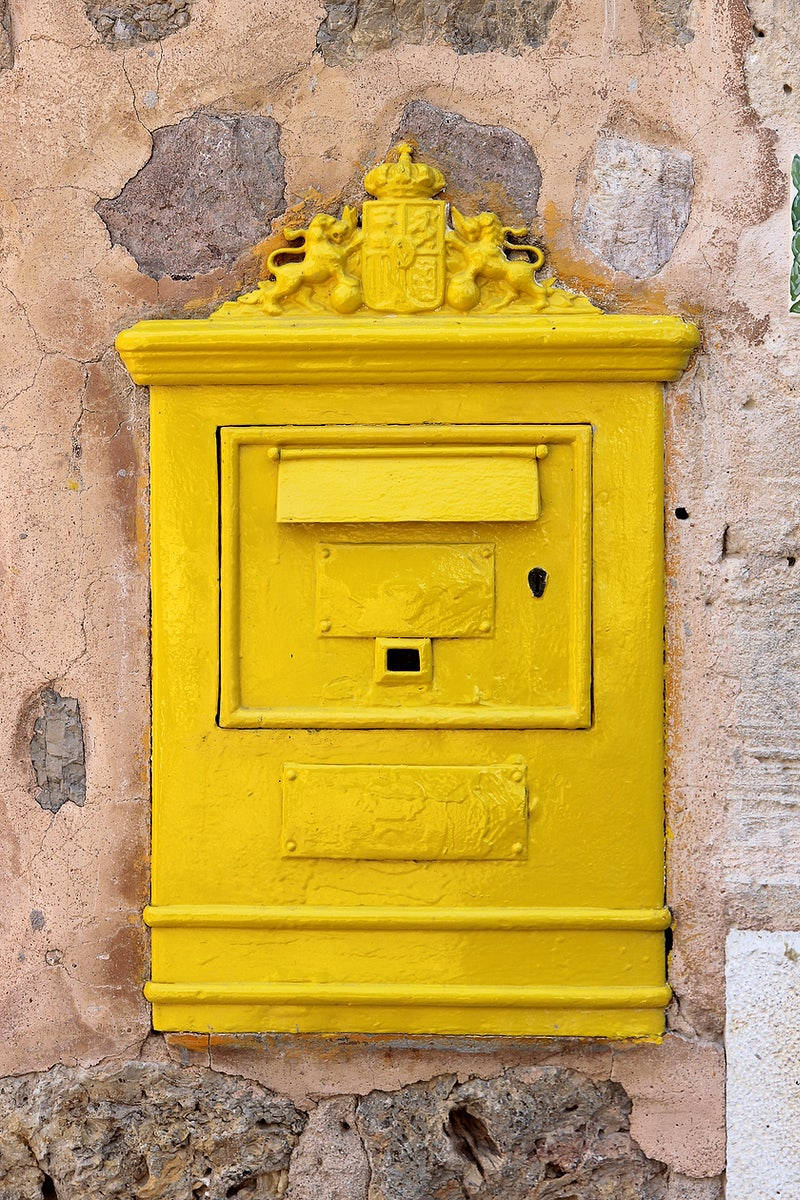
x: 530, y: 1011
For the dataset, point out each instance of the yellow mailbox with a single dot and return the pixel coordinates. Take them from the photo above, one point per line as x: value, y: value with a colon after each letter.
x: 407, y: 639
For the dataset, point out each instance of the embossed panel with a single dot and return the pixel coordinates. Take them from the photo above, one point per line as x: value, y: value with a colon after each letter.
x: 414, y: 812
x: 392, y: 589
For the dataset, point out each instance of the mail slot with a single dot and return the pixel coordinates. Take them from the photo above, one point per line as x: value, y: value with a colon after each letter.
x: 407, y: 581
x: 387, y: 484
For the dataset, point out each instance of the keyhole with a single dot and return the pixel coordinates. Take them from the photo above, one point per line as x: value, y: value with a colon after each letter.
x: 537, y: 581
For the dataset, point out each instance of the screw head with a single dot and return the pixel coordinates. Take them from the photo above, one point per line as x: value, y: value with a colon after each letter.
x: 324, y: 626
x: 274, y: 452
x: 487, y: 551
x: 517, y: 848
x: 291, y: 773
x: 516, y: 776
x: 291, y: 846
x: 485, y: 626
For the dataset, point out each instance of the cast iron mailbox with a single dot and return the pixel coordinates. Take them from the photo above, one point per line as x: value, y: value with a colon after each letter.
x: 407, y: 639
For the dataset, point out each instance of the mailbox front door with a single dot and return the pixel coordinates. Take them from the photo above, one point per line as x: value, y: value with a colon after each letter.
x: 407, y: 649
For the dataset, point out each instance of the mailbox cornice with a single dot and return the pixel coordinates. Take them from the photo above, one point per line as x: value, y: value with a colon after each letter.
x: 441, y: 348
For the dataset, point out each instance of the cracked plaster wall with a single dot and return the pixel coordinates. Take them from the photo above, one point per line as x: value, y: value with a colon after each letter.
x: 79, y: 107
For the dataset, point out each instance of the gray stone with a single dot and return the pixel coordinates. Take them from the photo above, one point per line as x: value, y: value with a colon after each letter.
x: 208, y: 192
x: 556, y: 1136
x: 682, y: 1187
x: 330, y: 1162
x: 144, y: 1131
x: 669, y: 20
x: 128, y: 22
x: 6, y: 49
x: 636, y: 204
x: 352, y: 29
x: 57, y: 752
x: 485, y: 165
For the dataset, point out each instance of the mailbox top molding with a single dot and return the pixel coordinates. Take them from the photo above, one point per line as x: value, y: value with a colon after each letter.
x: 410, y: 290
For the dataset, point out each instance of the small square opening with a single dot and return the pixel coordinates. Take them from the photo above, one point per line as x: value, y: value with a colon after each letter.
x: 403, y: 658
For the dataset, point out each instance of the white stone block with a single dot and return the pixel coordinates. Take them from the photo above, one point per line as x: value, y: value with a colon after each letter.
x: 763, y: 1049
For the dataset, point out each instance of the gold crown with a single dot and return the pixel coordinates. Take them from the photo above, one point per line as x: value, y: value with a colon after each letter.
x: 403, y: 179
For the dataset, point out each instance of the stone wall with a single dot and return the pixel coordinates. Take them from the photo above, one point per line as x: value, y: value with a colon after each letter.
x: 148, y: 150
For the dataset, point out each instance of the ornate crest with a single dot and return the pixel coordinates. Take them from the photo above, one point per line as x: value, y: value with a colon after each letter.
x: 403, y: 255
x: 404, y: 258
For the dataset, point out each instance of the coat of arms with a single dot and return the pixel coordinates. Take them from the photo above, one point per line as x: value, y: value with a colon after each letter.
x: 404, y: 257
x: 403, y: 244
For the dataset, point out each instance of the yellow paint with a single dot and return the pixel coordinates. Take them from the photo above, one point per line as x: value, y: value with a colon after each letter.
x: 397, y: 787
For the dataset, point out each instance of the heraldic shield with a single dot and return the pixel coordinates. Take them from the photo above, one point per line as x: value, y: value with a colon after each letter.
x: 403, y: 255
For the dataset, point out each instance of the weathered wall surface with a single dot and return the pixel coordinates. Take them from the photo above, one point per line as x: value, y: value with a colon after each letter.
x: 145, y: 148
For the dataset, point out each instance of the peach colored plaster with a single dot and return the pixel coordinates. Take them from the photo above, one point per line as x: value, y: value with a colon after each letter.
x: 75, y: 117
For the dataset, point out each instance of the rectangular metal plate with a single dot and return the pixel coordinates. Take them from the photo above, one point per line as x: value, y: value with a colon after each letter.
x: 384, y: 484
x: 392, y: 589
x: 405, y: 812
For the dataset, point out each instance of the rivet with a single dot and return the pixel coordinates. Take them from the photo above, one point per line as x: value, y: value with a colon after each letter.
x: 541, y: 451
x: 324, y: 626
x: 291, y: 847
x: 487, y: 551
x: 517, y: 848
x: 325, y: 552
x: 485, y: 626
x: 291, y: 773
x: 516, y: 776
x: 274, y: 452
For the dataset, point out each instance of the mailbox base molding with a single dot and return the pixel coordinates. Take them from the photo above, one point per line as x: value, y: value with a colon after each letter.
x: 388, y: 969
x: 614, y: 1012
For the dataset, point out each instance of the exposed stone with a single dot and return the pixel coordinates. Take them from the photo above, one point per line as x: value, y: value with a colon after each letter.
x: 144, y: 1131
x: 771, y: 62
x: 683, y: 1187
x: 126, y: 22
x: 559, y: 1135
x: 6, y: 50
x: 209, y: 190
x: 57, y: 752
x: 352, y: 29
x: 636, y: 204
x: 669, y: 19
x: 484, y: 164
x: 330, y: 1162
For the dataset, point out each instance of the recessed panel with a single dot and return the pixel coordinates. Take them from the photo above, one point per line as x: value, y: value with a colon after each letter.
x: 429, y: 813
x: 304, y: 600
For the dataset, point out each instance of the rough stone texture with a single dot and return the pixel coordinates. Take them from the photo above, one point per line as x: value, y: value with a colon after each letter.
x: 669, y: 19
x: 771, y: 64
x: 57, y: 752
x: 330, y: 1162
x: 682, y: 1187
x: 126, y: 22
x: 763, y: 1040
x: 637, y: 204
x: 143, y: 1131
x: 6, y: 50
x: 353, y: 29
x: 483, y: 164
x: 209, y: 191
x: 557, y: 1135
